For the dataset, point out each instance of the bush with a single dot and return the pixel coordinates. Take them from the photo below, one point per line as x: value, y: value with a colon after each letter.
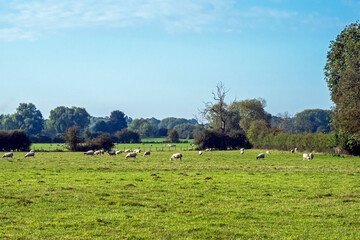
x: 103, y: 141
x: 126, y: 136
x: 216, y: 139
x: 15, y: 140
x: 173, y: 136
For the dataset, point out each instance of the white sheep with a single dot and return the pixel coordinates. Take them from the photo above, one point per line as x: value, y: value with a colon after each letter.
x: 171, y: 145
x: 132, y: 154
x: 30, y: 154
x: 261, y: 155
x: 295, y: 150
x: 268, y: 152
x: 176, y: 155
x: 311, y: 155
x: 117, y: 152
x: 306, y: 156
x: 147, y: 153
x: 292, y: 150
x: 98, y: 152
x: 127, y: 150
x: 242, y: 151
x: 137, y: 151
x: 111, y: 153
x: 8, y: 155
x: 90, y: 152
x: 200, y: 153
x: 208, y: 150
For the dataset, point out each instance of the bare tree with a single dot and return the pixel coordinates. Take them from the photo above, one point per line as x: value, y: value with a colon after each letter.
x: 216, y: 111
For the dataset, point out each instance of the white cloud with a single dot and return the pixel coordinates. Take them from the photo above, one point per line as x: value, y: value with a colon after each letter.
x: 30, y: 18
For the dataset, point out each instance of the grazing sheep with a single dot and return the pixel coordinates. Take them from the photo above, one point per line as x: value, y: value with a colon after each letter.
x: 295, y: 149
x: 311, y: 156
x: 127, y: 150
x: 306, y: 156
x: 268, y: 152
x: 90, y: 152
x: 30, y: 154
x: 133, y: 155
x: 261, y: 155
x: 208, y: 150
x: 292, y: 151
x: 137, y: 151
x: 171, y: 145
x: 176, y: 155
x: 98, y: 152
x: 117, y: 152
x: 147, y: 153
x: 242, y: 151
x: 200, y: 152
x: 111, y: 153
x: 8, y: 155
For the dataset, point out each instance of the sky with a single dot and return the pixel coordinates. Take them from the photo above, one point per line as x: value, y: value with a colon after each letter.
x: 163, y: 58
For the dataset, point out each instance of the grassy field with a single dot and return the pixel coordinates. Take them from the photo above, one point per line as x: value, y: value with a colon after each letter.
x: 146, y: 145
x: 219, y: 195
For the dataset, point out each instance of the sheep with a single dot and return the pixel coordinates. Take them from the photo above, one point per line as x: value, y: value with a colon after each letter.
x: 90, y: 152
x: 117, y: 152
x: 200, y: 152
x: 292, y: 151
x: 98, y: 152
x: 306, y: 156
x: 242, y: 151
x: 268, y: 152
x: 311, y: 156
x: 176, y: 155
x: 132, y: 154
x: 208, y: 150
x: 147, y: 153
x: 137, y: 151
x: 111, y: 153
x: 171, y: 145
x: 30, y: 154
x: 261, y: 155
x: 127, y: 150
x: 8, y: 155
x: 295, y: 150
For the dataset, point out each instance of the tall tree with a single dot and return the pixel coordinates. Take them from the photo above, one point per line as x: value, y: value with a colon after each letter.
x: 29, y: 119
x: 342, y: 74
x: 216, y: 112
x: 117, y: 121
x: 62, y: 118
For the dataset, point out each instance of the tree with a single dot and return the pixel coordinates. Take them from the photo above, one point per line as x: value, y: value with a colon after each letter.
x: 29, y: 119
x: 72, y: 137
x: 173, y: 136
x: 62, y: 118
x: 117, y: 121
x: 215, y: 113
x: 144, y: 127
x: 342, y: 74
x: 312, y: 120
x: 252, y: 110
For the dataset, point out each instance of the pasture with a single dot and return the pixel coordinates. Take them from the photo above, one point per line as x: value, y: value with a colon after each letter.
x: 219, y: 195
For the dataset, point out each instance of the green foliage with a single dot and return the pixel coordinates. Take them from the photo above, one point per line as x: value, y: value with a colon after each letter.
x: 171, y: 122
x: 127, y: 136
x: 62, y: 118
x: 14, y: 140
x: 72, y: 138
x: 144, y: 127
x: 103, y: 141
x: 217, y: 139
x: 312, y: 120
x: 29, y: 119
x: 187, y: 130
x: 173, y: 136
x: 342, y: 74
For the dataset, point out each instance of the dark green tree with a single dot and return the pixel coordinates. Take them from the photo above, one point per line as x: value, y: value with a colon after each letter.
x: 117, y: 121
x: 62, y: 118
x: 173, y: 136
x: 72, y: 137
x: 312, y: 120
x: 342, y: 74
x: 29, y: 119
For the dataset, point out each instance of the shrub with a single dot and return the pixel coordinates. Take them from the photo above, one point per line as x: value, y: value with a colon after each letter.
x: 15, y: 140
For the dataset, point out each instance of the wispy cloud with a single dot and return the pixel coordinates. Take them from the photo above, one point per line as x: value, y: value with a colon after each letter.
x: 31, y: 18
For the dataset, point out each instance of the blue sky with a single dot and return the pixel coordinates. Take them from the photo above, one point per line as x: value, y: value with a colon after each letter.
x: 152, y: 58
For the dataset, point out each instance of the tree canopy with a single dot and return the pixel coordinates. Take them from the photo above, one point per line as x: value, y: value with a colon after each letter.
x: 342, y: 74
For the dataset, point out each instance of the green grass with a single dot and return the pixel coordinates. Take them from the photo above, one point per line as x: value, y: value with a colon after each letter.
x: 219, y: 195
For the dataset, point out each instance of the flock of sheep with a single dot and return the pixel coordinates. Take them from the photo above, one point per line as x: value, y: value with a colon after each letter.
x: 134, y: 153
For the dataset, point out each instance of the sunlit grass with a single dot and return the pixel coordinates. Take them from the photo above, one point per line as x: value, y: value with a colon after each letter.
x: 219, y: 195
